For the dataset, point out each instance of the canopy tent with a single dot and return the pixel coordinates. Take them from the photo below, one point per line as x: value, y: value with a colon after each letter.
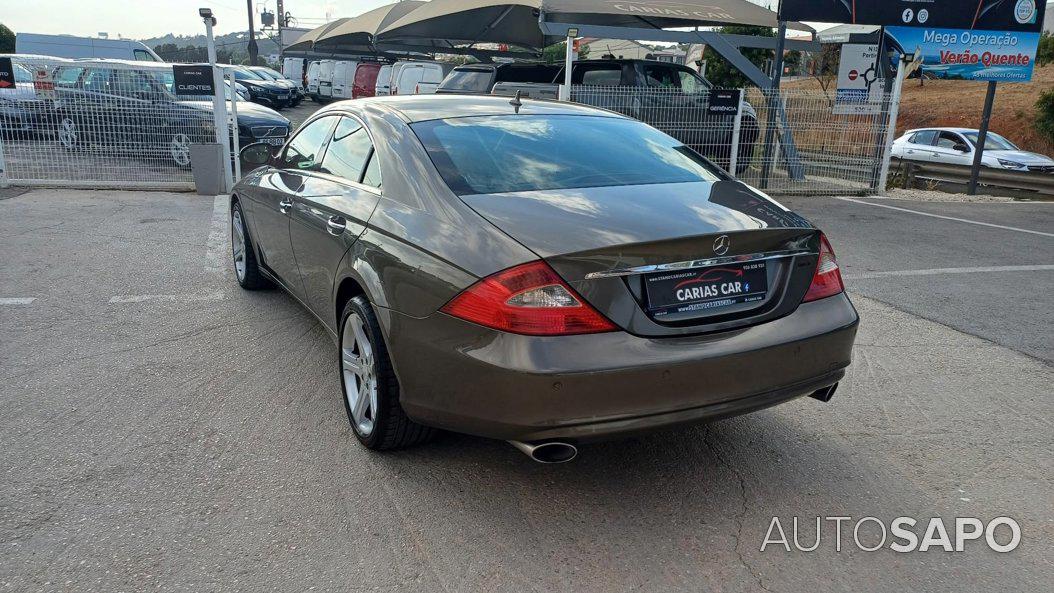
x: 307, y: 40
x: 518, y: 22
x: 359, y: 33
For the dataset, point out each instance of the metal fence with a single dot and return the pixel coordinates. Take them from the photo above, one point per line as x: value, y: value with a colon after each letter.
x: 99, y: 124
x: 789, y: 141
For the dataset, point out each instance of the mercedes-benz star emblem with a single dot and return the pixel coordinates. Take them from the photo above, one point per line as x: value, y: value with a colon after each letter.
x: 721, y: 244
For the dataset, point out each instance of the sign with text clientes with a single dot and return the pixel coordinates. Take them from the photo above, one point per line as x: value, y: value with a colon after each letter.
x: 957, y: 54
x: 859, y: 90
x: 989, y: 15
x: 193, y: 79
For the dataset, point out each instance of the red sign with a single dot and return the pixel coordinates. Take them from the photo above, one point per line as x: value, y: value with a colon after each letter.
x: 853, y: 75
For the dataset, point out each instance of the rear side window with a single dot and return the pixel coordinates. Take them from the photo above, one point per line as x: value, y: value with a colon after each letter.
x: 475, y: 80
x: 540, y: 73
x: 305, y: 149
x: 347, y: 152
x: 925, y: 137
x: 597, y: 76
x: 499, y: 154
x: 67, y: 76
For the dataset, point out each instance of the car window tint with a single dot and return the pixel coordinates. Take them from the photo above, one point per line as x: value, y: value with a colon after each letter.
x: 67, y: 76
x: 499, y: 154
x: 97, y: 80
x: 948, y: 140
x: 305, y: 148
x: 372, y: 176
x: 603, y: 76
x: 662, y: 77
x: 347, y: 152
x: 143, y: 55
x: 925, y: 137
x: 131, y: 83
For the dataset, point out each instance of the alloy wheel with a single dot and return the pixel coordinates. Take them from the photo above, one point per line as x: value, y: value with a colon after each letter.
x: 180, y: 149
x: 359, y: 374
x: 68, y: 133
x: 238, y: 243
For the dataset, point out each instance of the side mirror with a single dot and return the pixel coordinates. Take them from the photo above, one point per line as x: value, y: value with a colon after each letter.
x: 255, y: 155
x: 962, y: 147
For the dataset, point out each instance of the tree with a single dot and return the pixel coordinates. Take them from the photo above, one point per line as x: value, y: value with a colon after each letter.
x: 825, y: 66
x: 1045, y: 55
x: 722, y: 73
x: 555, y: 53
x: 7, y: 40
x: 1045, y: 114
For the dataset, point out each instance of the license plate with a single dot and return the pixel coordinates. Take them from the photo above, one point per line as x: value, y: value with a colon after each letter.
x: 273, y: 141
x: 283, y: 97
x: 706, y: 289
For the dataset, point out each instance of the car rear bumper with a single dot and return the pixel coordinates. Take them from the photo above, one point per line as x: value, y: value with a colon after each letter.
x: 462, y: 377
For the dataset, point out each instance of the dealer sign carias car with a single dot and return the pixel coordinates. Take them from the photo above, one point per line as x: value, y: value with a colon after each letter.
x: 485, y: 269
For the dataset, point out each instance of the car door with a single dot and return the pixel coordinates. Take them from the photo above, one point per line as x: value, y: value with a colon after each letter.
x: 332, y: 209
x: 952, y: 149
x: 275, y: 195
x: 919, y: 147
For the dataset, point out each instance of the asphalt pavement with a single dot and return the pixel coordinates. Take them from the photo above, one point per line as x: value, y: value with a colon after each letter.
x: 165, y: 430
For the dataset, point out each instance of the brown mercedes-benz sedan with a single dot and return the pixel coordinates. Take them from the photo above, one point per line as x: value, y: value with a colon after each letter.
x: 541, y: 272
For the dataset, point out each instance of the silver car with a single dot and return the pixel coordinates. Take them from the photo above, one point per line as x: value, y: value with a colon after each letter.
x: 955, y: 146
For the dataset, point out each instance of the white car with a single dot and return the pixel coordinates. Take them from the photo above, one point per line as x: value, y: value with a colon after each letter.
x: 955, y: 146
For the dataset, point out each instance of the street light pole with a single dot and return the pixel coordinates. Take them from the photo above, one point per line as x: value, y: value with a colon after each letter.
x: 219, y: 103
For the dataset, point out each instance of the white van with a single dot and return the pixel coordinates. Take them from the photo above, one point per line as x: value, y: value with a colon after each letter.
x: 414, y: 78
x: 343, y: 79
x: 293, y: 69
x: 68, y: 46
x: 325, y: 79
x: 312, y: 80
x: 384, y: 81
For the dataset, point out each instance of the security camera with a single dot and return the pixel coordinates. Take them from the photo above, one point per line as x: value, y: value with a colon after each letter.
x: 205, y: 13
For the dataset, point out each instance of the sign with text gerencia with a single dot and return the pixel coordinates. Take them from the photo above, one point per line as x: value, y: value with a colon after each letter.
x: 989, y: 15
x: 859, y: 90
x: 959, y: 54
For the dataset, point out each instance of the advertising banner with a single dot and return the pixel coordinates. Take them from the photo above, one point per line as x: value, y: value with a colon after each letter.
x: 1000, y: 56
x: 991, y: 15
x: 859, y: 90
x: 7, y: 73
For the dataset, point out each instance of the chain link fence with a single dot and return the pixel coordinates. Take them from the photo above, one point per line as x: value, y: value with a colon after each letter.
x: 100, y: 124
x: 789, y: 141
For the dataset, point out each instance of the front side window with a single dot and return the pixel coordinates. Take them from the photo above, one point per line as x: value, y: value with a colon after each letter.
x: 949, y: 140
x: 143, y: 56
x: 97, y: 80
x: 347, y: 152
x: 67, y: 76
x: 305, y: 149
x: 500, y: 154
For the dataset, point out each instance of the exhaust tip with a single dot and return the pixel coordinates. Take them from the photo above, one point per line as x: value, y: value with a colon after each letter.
x: 824, y: 394
x: 548, y: 451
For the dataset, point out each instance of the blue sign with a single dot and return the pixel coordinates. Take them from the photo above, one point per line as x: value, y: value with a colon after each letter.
x: 1001, y: 56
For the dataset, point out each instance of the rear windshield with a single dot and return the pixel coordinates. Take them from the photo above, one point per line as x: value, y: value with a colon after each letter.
x: 540, y: 73
x: 511, y: 153
x: 468, y: 80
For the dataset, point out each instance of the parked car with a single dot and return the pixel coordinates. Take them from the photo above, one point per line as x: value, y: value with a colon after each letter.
x: 69, y: 46
x: 295, y: 69
x: 529, y: 272
x: 128, y: 106
x: 365, y: 84
x: 418, y: 78
x: 295, y: 95
x: 668, y: 93
x: 263, y: 90
x: 311, y: 80
x: 955, y: 146
x: 383, y: 86
x: 325, y: 80
x: 23, y: 113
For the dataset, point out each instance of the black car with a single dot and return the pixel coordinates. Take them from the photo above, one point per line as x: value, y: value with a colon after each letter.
x: 263, y: 90
x: 128, y: 105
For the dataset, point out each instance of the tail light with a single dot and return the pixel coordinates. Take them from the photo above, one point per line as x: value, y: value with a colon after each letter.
x: 827, y: 279
x: 528, y: 299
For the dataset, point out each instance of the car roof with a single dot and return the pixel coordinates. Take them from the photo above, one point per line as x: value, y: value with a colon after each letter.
x: 415, y: 108
x: 945, y: 129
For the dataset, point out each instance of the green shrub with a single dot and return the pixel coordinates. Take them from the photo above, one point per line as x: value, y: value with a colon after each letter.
x: 1045, y: 55
x: 1045, y: 114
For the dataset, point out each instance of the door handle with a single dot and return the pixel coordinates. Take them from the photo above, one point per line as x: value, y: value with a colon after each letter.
x: 285, y: 205
x: 336, y: 225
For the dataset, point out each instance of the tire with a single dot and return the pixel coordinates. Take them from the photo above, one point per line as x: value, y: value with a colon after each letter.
x: 246, y: 269
x: 380, y: 424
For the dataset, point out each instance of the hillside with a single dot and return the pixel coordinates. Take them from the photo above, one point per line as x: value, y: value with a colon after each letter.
x: 235, y: 43
x: 959, y: 103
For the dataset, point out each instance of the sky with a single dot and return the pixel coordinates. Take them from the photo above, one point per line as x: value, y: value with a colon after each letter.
x: 152, y: 18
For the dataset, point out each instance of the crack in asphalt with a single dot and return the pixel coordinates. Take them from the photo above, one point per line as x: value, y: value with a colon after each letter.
x: 738, y: 517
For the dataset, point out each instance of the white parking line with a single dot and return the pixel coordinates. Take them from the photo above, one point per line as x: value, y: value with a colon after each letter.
x: 165, y: 298
x: 217, y: 245
x: 935, y: 271
x: 968, y: 221
x: 17, y: 300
